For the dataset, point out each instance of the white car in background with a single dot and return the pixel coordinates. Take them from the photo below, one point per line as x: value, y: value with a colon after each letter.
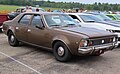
x: 89, y: 20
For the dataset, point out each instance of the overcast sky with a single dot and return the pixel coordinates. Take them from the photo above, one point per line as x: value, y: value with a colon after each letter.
x: 90, y: 1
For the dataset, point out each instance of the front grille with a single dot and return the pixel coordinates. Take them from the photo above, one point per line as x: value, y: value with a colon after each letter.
x: 118, y: 38
x: 117, y: 31
x: 102, y: 41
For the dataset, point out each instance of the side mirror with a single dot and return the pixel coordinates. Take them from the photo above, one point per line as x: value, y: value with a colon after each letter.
x: 40, y: 27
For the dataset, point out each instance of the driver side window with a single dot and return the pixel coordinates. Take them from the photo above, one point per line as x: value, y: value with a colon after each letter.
x: 36, y: 21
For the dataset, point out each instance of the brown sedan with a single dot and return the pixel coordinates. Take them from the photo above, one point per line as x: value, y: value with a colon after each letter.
x: 58, y: 32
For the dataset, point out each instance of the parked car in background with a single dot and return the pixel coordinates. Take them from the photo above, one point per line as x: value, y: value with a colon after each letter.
x: 19, y: 10
x: 3, y: 17
x: 114, y: 16
x: 101, y: 16
x: 58, y: 11
x: 58, y: 32
x: 93, y: 21
x: 105, y: 19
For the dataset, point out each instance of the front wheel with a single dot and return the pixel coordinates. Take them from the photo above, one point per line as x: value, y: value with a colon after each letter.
x: 12, y: 39
x: 61, y: 52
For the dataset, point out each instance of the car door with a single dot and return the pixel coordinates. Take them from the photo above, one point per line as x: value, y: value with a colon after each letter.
x: 22, y: 27
x: 37, y: 35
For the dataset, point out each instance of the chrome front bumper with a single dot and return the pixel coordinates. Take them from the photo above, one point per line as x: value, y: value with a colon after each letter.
x: 90, y: 49
x: 118, y: 42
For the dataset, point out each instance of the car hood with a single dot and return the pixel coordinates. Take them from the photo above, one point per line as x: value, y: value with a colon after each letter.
x: 111, y: 23
x: 90, y: 32
x: 102, y: 25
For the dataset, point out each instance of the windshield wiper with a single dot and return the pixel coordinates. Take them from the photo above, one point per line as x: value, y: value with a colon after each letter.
x: 55, y: 25
x: 89, y: 21
x: 68, y: 25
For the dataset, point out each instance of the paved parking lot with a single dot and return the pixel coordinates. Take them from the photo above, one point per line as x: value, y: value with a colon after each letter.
x: 27, y: 59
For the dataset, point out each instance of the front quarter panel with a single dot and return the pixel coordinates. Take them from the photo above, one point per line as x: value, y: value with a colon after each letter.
x: 69, y: 39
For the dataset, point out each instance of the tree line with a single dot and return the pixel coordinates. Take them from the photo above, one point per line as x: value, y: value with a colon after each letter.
x: 64, y: 5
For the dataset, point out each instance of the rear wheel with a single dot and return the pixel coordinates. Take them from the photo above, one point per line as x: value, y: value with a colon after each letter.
x: 61, y: 52
x: 12, y: 39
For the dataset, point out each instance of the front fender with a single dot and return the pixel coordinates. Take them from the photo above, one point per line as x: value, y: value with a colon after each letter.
x: 62, y: 39
x: 12, y: 29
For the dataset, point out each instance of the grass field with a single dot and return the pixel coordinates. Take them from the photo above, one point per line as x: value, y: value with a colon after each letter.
x: 12, y: 7
x: 5, y: 9
x: 8, y: 7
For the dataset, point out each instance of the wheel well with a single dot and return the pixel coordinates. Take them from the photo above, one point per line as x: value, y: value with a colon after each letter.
x: 62, y: 42
x: 8, y: 32
x: 53, y: 43
x: 56, y: 42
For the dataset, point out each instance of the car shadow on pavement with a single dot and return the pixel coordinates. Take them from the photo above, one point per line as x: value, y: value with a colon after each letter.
x: 86, y: 58
x: 1, y: 32
x: 36, y: 49
x: 75, y: 59
x: 118, y: 46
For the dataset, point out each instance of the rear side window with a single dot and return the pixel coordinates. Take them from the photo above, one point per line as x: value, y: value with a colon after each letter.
x: 25, y: 20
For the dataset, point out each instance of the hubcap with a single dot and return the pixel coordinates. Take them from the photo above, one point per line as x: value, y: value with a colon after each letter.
x: 61, y: 51
x: 12, y: 38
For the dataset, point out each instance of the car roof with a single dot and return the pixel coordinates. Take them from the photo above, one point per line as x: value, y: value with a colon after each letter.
x: 112, y: 14
x: 44, y: 13
x: 79, y: 13
x: 93, y: 13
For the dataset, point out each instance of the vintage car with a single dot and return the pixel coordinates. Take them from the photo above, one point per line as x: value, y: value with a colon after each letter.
x: 58, y: 32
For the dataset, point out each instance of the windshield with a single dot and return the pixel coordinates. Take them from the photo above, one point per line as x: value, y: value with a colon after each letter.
x: 118, y: 16
x: 89, y: 18
x: 103, y: 17
x: 60, y: 20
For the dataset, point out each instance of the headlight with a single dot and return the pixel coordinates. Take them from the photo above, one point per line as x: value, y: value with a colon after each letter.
x: 83, y: 43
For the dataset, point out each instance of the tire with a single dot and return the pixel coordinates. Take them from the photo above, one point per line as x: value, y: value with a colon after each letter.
x: 12, y: 39
x: 61, y: 52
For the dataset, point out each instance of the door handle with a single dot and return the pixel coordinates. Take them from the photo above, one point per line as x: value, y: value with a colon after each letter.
x: 17, y: 28
x: 29, y: 30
